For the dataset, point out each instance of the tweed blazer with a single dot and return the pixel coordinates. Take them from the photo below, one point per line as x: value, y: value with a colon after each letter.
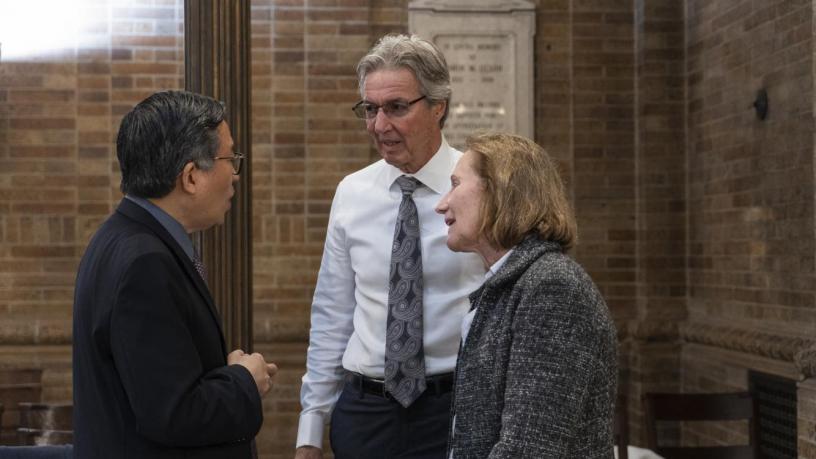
x: 537, y: 374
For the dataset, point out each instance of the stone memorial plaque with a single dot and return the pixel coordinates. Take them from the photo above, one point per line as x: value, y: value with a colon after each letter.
x: 489, y: 48
x: 481, y: 69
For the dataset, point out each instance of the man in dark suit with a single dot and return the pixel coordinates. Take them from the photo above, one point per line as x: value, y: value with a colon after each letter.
x: 152, y: 378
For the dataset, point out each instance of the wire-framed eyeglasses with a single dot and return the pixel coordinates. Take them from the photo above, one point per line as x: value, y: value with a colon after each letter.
x: 392, y: 109
x: 237, y: 160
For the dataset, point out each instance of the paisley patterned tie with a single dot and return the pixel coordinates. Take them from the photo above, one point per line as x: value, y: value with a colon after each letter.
x: 404, y: 356
x: 199, y: 265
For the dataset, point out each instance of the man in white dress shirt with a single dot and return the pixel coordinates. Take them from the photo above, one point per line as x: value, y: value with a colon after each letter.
x: 405, y: 411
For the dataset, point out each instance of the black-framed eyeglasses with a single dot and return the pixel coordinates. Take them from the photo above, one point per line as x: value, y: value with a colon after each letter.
x: 392, y: 109
x: 237, y: 161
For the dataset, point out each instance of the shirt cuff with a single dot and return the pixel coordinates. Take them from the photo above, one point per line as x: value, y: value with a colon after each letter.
x: 310, y: 430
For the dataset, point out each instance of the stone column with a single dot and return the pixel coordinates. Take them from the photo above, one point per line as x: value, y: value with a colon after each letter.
x: 653, y: 363
x: 216, y: 59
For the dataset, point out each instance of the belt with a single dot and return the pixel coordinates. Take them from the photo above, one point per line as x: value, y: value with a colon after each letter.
x: 436, y: 384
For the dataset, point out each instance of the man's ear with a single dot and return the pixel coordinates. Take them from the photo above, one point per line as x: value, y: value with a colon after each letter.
x: 189, y: 178
x: 440, y: 110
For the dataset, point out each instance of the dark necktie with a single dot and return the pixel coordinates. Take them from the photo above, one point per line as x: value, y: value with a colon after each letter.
x: 404, y: 356
x: 199, y: 265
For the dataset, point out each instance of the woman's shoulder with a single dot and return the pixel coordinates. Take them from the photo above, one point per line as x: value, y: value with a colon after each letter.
x: 556, y: 267
x: 556, y: 282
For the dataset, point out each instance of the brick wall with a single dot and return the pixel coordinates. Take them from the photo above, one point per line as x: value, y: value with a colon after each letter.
x: 652, y: 354
x: 305, y: 139
x: 751, y: 182
x: 59, y: 113
x: 750, y: 192
x: 603, y: 141
x: 687, y: 205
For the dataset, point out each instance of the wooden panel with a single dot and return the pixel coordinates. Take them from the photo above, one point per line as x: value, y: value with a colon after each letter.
x: 217, y: 64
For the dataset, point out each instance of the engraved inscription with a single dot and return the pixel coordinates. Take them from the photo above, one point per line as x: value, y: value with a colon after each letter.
x: 483, y: 83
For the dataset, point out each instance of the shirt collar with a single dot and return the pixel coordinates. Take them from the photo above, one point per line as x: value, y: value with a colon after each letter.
x: 495, y: 267
x: 435, y: 174
x: 167, y: 221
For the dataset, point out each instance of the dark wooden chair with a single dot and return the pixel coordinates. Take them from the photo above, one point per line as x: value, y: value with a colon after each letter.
x: 621, y: 427
x: 701, y: 407
x: 45, y: 424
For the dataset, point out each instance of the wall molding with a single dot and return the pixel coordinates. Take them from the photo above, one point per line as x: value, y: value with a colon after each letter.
x: 800, y: 351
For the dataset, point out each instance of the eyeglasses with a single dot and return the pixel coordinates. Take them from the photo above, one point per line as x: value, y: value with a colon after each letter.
x: 393, y: 108
x: 237, y: 160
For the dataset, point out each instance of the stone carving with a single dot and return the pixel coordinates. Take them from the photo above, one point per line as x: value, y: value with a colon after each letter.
x: 800, y: 351
x: 805, y: 360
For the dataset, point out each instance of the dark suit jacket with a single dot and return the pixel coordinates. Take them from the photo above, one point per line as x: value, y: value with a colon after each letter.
x: 150, y: 373
x: 536, y: 376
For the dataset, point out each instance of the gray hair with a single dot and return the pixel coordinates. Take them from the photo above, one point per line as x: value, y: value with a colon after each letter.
x: 421, y: 57
x: 161, y: 135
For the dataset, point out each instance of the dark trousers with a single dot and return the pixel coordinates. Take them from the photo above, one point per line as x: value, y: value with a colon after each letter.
x: 366, y: 425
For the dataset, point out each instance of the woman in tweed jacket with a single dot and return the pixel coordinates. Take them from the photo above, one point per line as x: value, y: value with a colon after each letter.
x: 536, y: 375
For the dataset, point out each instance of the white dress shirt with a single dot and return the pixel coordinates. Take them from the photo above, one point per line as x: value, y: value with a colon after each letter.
x: 349, y: 309
x: 494, y: 268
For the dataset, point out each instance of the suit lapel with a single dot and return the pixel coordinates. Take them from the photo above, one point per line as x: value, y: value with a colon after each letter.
x: 135, y: 212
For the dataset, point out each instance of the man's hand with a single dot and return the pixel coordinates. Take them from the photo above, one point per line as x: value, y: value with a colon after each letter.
x: 261, y: 371
x: 308, y: 452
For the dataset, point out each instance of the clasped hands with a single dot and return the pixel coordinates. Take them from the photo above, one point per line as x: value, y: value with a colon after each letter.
x: 261, y: 371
